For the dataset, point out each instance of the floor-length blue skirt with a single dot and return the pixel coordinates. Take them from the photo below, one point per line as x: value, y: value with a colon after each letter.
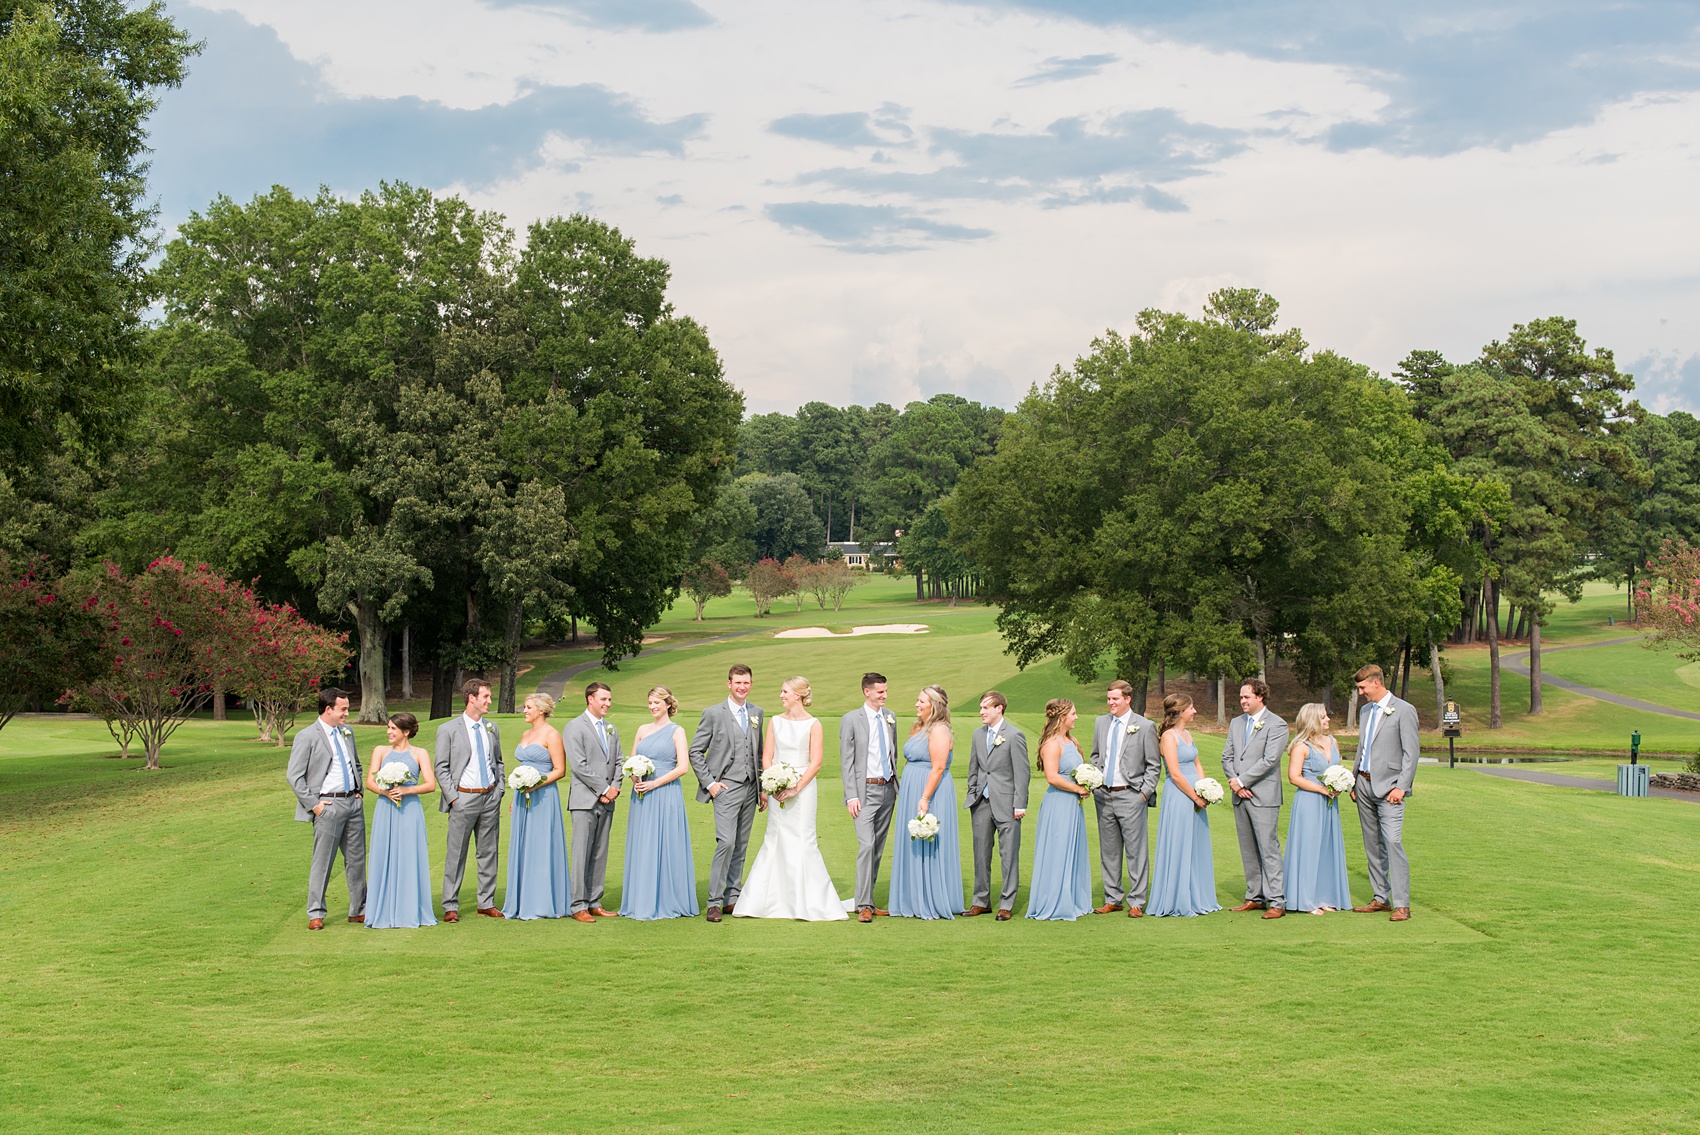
x: 660, y: 878
x: 538, y: 883
x: 926, y: 874
x: 1316, y: 854
x: 1062, y: 866
x: 398, y: 867
x: 1183, y: 878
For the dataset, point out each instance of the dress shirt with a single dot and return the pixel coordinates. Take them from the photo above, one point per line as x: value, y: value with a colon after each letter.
x: 878, y: 769
x: 1113, y: 764
x: 476, y: 774
x: 1367, y: 736
x: 992, y: 733
x: 340, y: 777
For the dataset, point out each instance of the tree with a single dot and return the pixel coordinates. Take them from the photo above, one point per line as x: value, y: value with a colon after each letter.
x: 1664, y: 506
x: 723, y: 528
x: 838, y: 579
x: 285, y: 660
x: 1668, y: 600
x: 786, y: 524
x: 46, y: 641
x: 706, y: 580
x: 766, y: 582
x: 801, y: 571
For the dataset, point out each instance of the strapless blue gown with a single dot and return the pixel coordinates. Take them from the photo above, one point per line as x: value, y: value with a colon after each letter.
x: 661, y: 874
x: 1062, y: 867
x: 538, y: 885
x: 398, y: 867
x: 1316, y: 845
x: 1183, y: 878
x: 926, y: 874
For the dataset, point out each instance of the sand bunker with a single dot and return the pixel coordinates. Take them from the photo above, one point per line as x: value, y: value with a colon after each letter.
x: 822, y: 632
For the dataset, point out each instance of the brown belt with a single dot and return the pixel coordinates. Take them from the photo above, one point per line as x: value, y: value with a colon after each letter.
x: 1362, y: 773
x: 887, y: 780
x: 477, y: 791
x: 336, y: 795
x: 1117, y: 787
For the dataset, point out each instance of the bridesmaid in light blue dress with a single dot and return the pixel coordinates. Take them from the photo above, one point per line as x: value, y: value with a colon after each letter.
x: 926, y: 874
x: 1183, y: 878
x: 398, y: 868
x: 661, y: 874
x: 538, y: 884
x: 1062, y: 871
x: 1315, y: 869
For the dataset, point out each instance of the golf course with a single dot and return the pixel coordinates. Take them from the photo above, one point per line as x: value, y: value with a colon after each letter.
x: 156, y: 972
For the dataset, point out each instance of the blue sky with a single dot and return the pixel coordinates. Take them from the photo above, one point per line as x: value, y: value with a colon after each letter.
x: 888, y: 199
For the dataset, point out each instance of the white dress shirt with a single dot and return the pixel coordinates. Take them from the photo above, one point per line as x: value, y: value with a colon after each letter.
x: 1376, y: 720
x: 878, y: 769
x: 476, y: 774
x: 334, y: 781
x: 1113, y: 763
x: 992, y: 733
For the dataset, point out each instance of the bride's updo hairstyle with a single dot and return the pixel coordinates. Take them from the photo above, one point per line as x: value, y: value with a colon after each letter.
x: 1056, y: 725
x: 1173, y: 706
x: 938, y: 709
x: 800, y: 686
x: 665, y: 695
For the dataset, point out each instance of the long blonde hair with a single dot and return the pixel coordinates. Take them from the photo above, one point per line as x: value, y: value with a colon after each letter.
x: 1307, y: 723
x: 1056, y: 725
x: 938, y: 710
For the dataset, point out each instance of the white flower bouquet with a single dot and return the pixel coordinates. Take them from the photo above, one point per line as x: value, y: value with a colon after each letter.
x: 1338, y: 778
x: 393, y: 774
x: 524, y: 778
x: 638, y: 767
x: 1088, y: 776
x: 924, y: 827
x: 779, y: 776
x: 1209, y: 789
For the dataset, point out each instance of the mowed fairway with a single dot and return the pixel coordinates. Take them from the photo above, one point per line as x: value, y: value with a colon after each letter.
x: 156, y: 973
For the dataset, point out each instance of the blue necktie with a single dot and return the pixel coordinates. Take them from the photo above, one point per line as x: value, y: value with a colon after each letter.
x: 879, y: 726
x: 991, y: 742
x: 744, y: 719
x: 1369, y: 736
x: 342, y: 755
x: 1114, y: 763
x: 483, y: 757
x: 602, y: 734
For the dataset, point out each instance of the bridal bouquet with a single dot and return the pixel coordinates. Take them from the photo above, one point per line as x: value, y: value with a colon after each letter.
x: 779, y: 776
x: 1338, y: 778
x: 523, y: 779
x: 394, y: 774
x: 1088, y: 776
x: 924, y: 827
x: 638, y: 767
x: 1208, y: 788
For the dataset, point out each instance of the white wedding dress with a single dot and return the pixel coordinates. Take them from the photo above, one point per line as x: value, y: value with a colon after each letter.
x: 789, y: 878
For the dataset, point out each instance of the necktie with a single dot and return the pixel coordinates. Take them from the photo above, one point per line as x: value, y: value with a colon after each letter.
x: 342, y: 755
x: 1114, y: 763
x: 991, y: 742
x: 602, y: 734
x: 744, y: 718
x: 483, y: 757
x: 879, y: 727
x: 1368, y: 735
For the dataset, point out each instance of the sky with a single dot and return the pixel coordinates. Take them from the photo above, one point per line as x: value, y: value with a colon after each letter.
x: 888, y: 199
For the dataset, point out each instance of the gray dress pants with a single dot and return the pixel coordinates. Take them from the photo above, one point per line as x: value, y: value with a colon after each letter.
x: 341, y: 826
x: 473, y: 817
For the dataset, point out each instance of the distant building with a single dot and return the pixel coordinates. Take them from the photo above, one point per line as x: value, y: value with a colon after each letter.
x: 856, y: 557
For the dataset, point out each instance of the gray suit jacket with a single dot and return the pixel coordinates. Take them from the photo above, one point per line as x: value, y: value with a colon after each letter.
x: 1003, y: 769
x: 1256, y: 756
x: 1393, y: 747
x: 592, y: 770
x: 853, y: 737
x: 1140, y: 761
x: 718, y: 745
x: 310, y: 758
x: 454, y: 750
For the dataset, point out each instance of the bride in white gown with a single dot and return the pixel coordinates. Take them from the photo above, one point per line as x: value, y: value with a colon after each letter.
x: 789, y: 879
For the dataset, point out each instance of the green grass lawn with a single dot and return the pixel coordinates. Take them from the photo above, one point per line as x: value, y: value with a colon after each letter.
x: 156, y: 975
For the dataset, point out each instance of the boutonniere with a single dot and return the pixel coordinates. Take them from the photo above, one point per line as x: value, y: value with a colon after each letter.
x: 345, y: 731
x: 998, y: 740
x: 1132, y: 729
x: 1387, y: 711
x: 1256, y: 726
x: 886, y: 716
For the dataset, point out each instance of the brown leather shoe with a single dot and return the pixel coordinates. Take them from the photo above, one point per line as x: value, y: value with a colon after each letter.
x: 1401, y: 914
x: 727, y: 909
x: 360, y: 918
x: 1136, y: 912
x: 490, y: 912
x: 1249, y: 904
x: 878, y: 913
x: 974, y: 911
x: 1375, y: 907
x: 451, y: 916
x: 713, y: 914
x: 1275, y: 912
x: 315, y: 924
x: 1003, y: 916
x: 1107, y: 908
x: 865, y: 914
x: 583, y: 916
x: 601, y: 913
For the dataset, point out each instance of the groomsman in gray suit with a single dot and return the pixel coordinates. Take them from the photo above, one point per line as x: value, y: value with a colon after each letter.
x: 593, y: 762
x: 726, y: 755
x: 998, y: 776
x: 324, y: 773
x: 469, y: 772
x: 1388, y: 742
x: 1124, y: 749
x: 1253, y: 759
x: 867, y: 763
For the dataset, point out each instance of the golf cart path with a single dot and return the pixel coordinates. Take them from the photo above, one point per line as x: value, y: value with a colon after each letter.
x: 1561, y: 781
x: 1518, y: 663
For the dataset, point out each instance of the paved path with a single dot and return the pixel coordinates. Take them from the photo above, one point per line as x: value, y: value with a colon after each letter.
x: 1518, y: 663
x: 1561, y: 781
x: 555, y: 685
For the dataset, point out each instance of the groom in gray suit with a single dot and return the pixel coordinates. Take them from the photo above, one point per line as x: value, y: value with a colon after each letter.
x: 469, y: 773
x: 867, y: 763
x: 1388, y: 742
x: 593, y: 762
x: 1252, y: 759
x: 324, y: 773
x: 726, y: 755
x: 1124, y: 749
x: 998, y: 776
